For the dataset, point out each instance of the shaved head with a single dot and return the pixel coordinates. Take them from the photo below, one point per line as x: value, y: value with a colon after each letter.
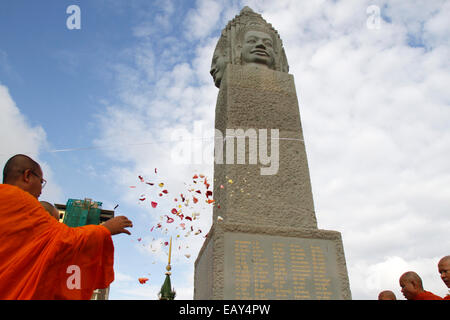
x: 387, y: 295
x: 411, y: 276
x: 444, y: 270
x: 50, y: 209
x: 23, y: 172
x: 15, y: 166
x: 445, y: 259
x: 411, y: 284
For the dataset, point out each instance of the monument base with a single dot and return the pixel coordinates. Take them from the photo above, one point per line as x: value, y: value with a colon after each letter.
x: 276, y: 263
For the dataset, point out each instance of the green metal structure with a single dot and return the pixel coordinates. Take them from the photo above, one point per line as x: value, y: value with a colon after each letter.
x: 82, y: 212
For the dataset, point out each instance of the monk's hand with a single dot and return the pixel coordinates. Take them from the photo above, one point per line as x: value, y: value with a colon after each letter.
x: 118, y: 224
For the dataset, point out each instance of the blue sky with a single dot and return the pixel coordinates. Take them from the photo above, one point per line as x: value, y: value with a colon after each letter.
x: 97, y: 107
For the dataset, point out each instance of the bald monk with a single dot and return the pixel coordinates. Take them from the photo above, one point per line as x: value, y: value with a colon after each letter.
x: 412, y: 287
x: 387, y: 295
x: 50, y: 209
x: 41, y: 258
x: 444, y: 271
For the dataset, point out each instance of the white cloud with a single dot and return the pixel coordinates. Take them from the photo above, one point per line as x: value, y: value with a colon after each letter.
x: 201, y: 21
x: 23, y: 138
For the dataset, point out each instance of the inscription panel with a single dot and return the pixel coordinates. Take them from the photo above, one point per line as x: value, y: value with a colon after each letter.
x: 273, y: 267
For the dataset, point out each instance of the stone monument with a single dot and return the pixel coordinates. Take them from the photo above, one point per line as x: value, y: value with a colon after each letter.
x: 264, y: 242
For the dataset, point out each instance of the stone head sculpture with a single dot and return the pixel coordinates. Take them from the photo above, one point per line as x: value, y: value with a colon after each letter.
x: 257, y: 45
x: 248, y: 39
x: 220, y: 60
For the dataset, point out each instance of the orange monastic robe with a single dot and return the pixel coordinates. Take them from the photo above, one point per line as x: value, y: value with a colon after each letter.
x: 426, y: 295
x: 41, y: 258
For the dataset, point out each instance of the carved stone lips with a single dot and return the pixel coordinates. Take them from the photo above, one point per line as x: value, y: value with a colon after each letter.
x: 260, y: 52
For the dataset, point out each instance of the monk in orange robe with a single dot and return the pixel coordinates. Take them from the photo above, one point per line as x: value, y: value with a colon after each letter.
x: 412, y: 287
x: 444, y: 271
x: 41, y: 258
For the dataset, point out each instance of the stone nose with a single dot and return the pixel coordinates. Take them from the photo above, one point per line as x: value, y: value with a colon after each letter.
x: 260, y: 44
x: 212, y: 71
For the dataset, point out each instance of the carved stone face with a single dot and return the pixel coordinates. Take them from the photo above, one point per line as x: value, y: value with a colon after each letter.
x: 218, y: 65
x: 258, y: 48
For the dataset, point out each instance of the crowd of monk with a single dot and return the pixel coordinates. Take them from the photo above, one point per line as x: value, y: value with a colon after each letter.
x: 412, y: 287
x: 37, y: 253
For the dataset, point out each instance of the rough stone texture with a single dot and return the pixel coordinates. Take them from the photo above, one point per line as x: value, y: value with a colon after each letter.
x: 259, y: 98
x: 210, y: 262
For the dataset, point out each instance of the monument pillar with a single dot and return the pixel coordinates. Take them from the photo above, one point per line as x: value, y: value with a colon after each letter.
x: 264, y: 242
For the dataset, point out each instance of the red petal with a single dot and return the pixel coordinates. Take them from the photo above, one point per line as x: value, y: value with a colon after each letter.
x: 188, y: 218
x: 208, y: 193
x: 143, y: 280
x: 165, y: 191
x: 140, y: 178
x: 149, y: 183
x: 174, y: 211
x: 154, y: 204
x: 195, y: 199
x: 210, y: 201
x: 169, y: 219
x: 198, y: 191
x: 142, y: 199
x: 195, y: 177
